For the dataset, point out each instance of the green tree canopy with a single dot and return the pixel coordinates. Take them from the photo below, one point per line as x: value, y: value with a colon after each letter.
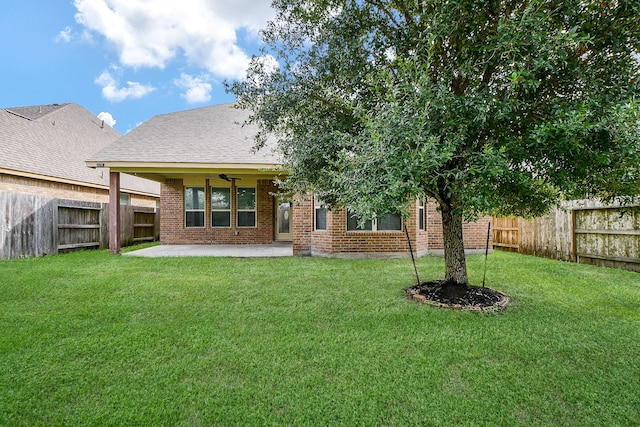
x: 485, y: 106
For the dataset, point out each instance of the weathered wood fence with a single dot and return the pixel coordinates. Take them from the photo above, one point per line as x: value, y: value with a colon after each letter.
x: 32, y: 226
x: 580, y: 231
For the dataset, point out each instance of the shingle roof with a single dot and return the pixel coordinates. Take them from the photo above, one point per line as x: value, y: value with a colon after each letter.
x: 54, y: 140
x: 211, y: 134
x: 34, y: 112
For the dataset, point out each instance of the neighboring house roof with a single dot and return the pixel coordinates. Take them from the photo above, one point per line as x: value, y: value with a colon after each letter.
x: 209, y: 138
x: 51, y: 142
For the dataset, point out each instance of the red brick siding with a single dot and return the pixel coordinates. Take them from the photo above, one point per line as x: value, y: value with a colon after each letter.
x: 172, y: 218
x: 475, y: 233
x: 302, y: 228
x: 337, y: 240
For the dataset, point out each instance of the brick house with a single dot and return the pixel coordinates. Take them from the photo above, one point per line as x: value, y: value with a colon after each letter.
x: 215, y: 189
x: 43, y: 149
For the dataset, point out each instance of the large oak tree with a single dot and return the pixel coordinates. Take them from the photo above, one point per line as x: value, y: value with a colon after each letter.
x: 485, y: 106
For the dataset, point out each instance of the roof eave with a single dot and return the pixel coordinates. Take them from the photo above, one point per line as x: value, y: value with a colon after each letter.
x: 161, y: 171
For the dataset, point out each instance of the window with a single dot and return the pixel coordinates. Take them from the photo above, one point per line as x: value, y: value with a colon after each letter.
x: 352, y: 223
x: 220, y: 207
x: 420, y: 214
x: 385, y: 222
x: 194, y: 206
x: 246, y: 200
x: 320, y: 214
x: 125, y: 199
x: 389, y: 222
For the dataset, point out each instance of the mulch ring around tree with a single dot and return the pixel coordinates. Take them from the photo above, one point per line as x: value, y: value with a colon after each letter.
x: 440, y: 293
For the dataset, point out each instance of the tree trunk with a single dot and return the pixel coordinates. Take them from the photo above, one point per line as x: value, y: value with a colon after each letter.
x: 454, y: 259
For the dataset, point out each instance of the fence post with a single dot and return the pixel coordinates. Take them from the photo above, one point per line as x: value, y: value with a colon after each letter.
x: 574, y: 239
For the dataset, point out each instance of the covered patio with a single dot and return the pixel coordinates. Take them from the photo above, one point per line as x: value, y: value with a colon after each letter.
x: 215, y: 188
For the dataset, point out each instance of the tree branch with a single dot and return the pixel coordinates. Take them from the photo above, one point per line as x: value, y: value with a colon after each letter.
x: 386, y: 11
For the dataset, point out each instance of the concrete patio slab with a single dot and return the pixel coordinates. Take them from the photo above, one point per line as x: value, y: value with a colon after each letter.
x: 238, y: 251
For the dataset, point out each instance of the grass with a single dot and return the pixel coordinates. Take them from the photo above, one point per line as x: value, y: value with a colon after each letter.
x: 93, y: 339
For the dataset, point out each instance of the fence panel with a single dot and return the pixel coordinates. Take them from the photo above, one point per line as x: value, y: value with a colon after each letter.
x: 608, y: 237
x: 26, y: 226
x: 505, y: 233
x: 32, y: 225
x: 138, y: 224
x: 79, y: 225
x: 549, y: 236
x: 145, y: 225
x: 581, y: 231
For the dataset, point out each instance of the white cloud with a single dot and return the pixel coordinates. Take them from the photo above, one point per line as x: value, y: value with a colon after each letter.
x: 151, y: 34
x: 64, y: 36
x: 197, y: 89
x: 87, y: 37
x: 108, y: 118
x: 111, y: 91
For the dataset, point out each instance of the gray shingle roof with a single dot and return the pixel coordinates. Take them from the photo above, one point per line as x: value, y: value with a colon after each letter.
x: 34, y: 112
x: 213, y: 135
x: 54, y: 140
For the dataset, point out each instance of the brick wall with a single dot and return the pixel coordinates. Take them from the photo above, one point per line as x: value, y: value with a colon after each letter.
x: 474, y: 233
x: 302, y: 229
x: 337, y: 241
x: 172, y: 218
x: 59, y: 190
x: 363, y: 242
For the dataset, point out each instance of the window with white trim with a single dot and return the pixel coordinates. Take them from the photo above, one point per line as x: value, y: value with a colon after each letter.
x: 421, y: 221
x: 220, y: 207
x: 385, y: 222
x: 246, y: 206
x: 194, y: 206
x: 319, y: 214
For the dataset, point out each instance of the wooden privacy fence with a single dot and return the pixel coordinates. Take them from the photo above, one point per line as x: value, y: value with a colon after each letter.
x: 505, y: 233
x: 580, y: 231
x: 33, y: 225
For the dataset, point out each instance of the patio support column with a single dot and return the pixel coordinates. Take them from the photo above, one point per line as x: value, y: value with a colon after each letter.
x: 114, y: 213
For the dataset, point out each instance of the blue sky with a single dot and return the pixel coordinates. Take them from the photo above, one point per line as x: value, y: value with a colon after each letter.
x: 132, y: 59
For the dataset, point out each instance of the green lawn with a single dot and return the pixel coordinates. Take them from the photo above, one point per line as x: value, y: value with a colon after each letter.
x: 93, y: 339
